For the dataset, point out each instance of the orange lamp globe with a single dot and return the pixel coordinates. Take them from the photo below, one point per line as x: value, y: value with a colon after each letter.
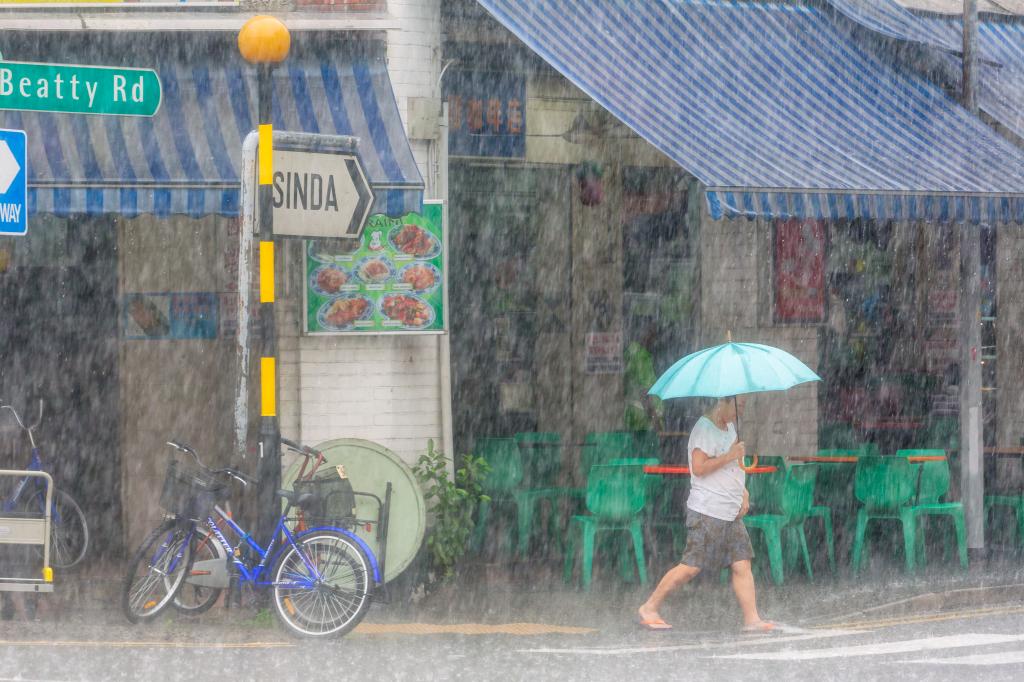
x: 264, y: 40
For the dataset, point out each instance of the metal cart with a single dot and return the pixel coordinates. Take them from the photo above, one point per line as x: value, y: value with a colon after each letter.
x: 28, y: 528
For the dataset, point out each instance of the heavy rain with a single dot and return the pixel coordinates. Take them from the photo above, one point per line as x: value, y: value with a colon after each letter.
x: 511, y: 339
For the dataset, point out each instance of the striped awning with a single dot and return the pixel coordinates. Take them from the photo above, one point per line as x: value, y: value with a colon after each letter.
x: 1000, y: 46
x: 187, y: 158
x: 890, y: 19
x: 775, y: 110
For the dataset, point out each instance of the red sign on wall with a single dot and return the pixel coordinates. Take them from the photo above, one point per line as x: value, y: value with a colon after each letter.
x: 799, y: 270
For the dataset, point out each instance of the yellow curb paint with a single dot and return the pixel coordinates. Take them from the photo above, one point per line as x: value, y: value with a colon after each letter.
x: 146, y: 645
x: 268, y: 387
x: 266, y: 272
x: 522, y: 629
x: 266, y: 154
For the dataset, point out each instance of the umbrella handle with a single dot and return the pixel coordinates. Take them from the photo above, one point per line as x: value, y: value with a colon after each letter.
x: 753, y: 465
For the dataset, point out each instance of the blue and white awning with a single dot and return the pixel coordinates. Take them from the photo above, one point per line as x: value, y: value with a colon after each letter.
x: 187, y: 159
x: 890, y: 19
x: 775, y: 110
x: 1000, y: 46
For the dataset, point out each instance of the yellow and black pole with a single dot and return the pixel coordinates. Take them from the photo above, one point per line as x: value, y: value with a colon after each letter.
x: 264, y: 41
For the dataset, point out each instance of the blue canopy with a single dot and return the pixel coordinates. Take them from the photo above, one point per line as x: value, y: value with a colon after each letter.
x: 775, y: 110
x: 187, y: 158
x: 1000, y: 45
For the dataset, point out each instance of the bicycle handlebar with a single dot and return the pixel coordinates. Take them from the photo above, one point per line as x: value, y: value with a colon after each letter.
x: 17, y: 417
x: 244, y: 479
x: 300, y: 448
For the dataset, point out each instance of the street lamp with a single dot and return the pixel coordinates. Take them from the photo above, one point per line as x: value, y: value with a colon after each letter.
x: 264, y: 41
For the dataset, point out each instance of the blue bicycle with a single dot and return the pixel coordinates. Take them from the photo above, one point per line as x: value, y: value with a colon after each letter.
x: 69, y: 532
x: 321, y: 579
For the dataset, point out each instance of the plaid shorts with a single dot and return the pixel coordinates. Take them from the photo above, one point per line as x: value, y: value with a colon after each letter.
x: 713, y: 544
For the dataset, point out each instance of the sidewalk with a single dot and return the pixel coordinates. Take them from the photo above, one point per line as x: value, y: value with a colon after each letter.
x: 533, y: 595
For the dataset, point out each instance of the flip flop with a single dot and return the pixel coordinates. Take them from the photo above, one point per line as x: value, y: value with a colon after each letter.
x: 760, y: 627
x: 655, y: 625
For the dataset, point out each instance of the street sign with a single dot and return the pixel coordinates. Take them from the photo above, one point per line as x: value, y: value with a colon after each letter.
x: 77, y: 89
x: 319, y: 193
x: 13, y: 183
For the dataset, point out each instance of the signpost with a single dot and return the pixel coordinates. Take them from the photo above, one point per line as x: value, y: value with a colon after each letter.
x: 77, y: 89
x: 13, y: 184
x: 318, y: 192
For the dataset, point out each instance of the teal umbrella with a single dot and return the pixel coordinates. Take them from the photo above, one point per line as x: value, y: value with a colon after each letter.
x: 730, y: 370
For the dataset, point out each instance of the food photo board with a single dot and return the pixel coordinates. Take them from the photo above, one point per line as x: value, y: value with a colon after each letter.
x: 390, y: 280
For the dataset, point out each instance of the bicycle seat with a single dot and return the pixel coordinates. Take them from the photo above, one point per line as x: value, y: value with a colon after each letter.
x: 297, y: 499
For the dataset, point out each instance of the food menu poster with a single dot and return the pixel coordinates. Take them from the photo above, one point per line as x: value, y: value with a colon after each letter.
x: 390, y: 280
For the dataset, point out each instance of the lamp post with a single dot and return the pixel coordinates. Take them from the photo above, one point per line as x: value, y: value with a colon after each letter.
x: 264, y: 41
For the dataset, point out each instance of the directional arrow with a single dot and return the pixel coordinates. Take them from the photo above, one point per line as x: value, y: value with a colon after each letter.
x: 365, y: 194
x: 9, y: 167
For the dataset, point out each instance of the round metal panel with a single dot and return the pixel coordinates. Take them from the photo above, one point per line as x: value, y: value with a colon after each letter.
x: 369, y: 467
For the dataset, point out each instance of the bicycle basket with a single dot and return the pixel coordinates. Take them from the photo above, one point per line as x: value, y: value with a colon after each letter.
x: 190, y: 493
x: 333, y: 501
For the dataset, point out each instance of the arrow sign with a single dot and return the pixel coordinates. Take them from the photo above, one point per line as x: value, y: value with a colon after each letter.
x: 319, y: 194
x: 77, y: 89
x: 13, y: 184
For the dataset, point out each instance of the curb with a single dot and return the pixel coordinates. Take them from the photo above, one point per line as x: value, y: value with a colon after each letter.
x: 931, y: 602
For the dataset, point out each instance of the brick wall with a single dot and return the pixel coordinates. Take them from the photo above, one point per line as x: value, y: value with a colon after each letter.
x: 736, y: 297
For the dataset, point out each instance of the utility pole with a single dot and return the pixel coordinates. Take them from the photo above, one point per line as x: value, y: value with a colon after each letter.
x: 972, y: 471
x: 264, y: 41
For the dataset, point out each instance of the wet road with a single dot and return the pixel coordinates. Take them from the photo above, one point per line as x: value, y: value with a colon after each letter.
x: 985, y: 643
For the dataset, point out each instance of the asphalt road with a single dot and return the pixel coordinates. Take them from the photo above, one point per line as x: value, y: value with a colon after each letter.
x: 984, y: 643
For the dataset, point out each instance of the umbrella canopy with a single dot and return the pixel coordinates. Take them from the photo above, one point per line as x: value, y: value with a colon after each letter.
x: 732, y: 369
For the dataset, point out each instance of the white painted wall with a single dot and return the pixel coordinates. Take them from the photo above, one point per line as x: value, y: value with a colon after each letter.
x: 383, y: 388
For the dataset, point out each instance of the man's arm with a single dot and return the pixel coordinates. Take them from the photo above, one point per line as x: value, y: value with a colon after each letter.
x: 745, y: 507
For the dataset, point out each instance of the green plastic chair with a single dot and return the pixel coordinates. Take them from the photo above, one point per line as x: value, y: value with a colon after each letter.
x: 867, y: 450
x: 500, y: 484
x: 1016, y: 505
x: 616, y: 497
x: 794, y: 501
x: 831, y: 490
x: 885, y: 487
x: 932, y: 484
x: 659, y: 513
x: 543, y: 465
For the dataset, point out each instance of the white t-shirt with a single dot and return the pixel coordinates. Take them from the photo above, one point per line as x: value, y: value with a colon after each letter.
x: 720, y: 493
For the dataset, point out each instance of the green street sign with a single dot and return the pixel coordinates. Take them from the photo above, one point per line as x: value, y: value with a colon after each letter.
x: 76, y: 89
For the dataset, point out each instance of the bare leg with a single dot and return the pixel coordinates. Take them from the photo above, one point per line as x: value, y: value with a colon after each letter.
x: 743, y: 586
x: 673, y: 580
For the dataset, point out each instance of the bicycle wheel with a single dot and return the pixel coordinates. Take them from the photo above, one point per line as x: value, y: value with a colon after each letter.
x: 156, y: 572
x: 195, y: 599
x: 69, y: 532
x: 333, y: 597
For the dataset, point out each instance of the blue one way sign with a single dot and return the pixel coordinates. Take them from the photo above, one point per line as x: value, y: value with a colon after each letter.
x: 13, y: 183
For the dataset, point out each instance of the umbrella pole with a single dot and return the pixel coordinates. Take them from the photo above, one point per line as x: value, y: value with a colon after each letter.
x: 736, y: 409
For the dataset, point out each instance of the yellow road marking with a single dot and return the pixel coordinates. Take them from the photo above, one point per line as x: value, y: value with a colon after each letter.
x: 469, y: 629
x: 144, y: 645
x: 928, y: 618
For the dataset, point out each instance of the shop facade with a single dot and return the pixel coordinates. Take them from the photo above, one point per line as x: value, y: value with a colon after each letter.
x: 791, y: 243
x: 129, y: 295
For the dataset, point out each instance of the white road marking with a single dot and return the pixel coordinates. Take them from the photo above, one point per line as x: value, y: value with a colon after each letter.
x: 740, y: 640
x: 1000, y: 658
x: 882, y: 648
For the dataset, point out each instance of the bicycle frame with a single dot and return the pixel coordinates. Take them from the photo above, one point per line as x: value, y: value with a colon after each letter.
x: 247, y: 573
x: 35, y: 464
